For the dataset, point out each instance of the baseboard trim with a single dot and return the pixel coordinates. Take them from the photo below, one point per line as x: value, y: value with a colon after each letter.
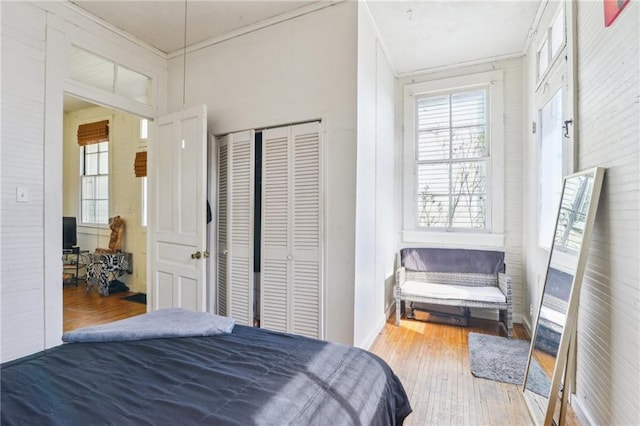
x: 582, y: 415
x: 368, y: 342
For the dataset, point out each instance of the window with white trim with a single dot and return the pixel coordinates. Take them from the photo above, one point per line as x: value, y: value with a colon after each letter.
x: 453, y: 159
x: 94, y: 181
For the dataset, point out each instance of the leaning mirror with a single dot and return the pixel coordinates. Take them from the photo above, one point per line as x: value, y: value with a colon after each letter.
x: 558, y: 309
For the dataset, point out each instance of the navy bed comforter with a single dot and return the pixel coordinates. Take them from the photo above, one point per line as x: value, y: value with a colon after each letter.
x: 249, y: 377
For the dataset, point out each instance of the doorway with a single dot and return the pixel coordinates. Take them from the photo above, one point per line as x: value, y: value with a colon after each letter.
x: 124, y: 195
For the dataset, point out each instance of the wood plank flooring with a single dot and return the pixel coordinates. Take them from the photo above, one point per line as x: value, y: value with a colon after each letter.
x: 431, y: 360
x: 82, y: 309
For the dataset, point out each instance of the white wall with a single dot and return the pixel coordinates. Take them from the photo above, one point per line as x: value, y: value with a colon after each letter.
x: 608, y: 362
x: 22, y: 243
x: 125, y: 189
x: 35, y: 43
x: 375, y: 234
x: 513, y: 184
x: 298, y: 70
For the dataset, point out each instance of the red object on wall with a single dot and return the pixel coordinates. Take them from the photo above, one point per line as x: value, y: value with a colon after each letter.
x: 612, y: 9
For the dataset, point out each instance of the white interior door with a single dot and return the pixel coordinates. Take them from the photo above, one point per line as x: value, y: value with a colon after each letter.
x: 177, y: 213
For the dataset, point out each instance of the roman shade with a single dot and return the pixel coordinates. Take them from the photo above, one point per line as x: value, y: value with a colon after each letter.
x: 91, y: 133
x: 140, y: 164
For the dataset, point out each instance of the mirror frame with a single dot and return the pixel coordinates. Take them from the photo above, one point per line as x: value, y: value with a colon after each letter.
x: 539, y: 407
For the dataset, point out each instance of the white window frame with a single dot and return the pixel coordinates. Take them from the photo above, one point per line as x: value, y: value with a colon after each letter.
x: 493, y: 235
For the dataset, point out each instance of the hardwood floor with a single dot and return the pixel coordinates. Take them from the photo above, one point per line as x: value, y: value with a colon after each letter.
x: 431, y: 360
x: 83, y: 309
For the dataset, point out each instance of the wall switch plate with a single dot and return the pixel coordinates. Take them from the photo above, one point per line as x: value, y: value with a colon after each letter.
x: 22, y: 195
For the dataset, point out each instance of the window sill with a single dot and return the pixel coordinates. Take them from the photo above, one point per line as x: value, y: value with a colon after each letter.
x: 454, y: 239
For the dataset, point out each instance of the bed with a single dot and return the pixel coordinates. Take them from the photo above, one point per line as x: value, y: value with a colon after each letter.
x: 250, y: 376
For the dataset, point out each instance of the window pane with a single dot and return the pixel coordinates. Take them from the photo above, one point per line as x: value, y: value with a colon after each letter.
x: 88, y: 211
x: 469, y: 188
x: 469, y: 211
x: 102, y: 211
x: 467, y: 108
x: 91, y: 149
x: 550, y: 168
x: 543, y: 58
x: 433, y: 145
x: 91, y: 164
x: 433, y: 178
x: 433, y: 113
x: 88, y: 187
x: 557, y: 33
x: 91, y: 69
x: 143, y: 221
x: 469, y: 177
x: 103, y: 146
x: 469, y: 142
x: 133, y: 85
x: 144, y: 128
x: 433, y: 210
x: 102, y: 187
x: 103, y: 168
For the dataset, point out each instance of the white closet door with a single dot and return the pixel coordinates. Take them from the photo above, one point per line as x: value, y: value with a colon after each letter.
x: 274, y: 269
x: 291, y: 242
x: 241, y: 159
x: 305, y: 230
x: 223, y: 214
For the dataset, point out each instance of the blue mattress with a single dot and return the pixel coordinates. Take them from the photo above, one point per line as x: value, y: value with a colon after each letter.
x: 249, y: 377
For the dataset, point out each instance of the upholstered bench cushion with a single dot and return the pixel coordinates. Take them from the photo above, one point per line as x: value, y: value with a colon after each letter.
x: 452, y: 292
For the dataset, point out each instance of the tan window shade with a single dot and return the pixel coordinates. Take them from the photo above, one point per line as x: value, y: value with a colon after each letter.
x: 91, y: 133
x: 140, y: 165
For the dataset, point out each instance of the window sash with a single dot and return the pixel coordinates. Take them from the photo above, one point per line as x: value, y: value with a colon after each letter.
x: 452, y: 155
x: 94, y: 184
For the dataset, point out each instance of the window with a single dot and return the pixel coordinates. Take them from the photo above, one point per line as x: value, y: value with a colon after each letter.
x: 107, y: 75
x: 452, y: 154
x: 552, y: 43
x: 453, y: 186
x: 95, y: 183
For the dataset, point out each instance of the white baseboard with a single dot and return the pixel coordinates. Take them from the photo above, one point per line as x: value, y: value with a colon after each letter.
x: 583, y: 416
x: 375, y: 331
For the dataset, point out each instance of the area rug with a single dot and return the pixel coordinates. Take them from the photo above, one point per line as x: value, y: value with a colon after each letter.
x: 137, y: 298
x: 505, y: 360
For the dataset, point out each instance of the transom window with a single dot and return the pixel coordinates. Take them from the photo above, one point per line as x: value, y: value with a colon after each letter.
x: 95, y: 183
x: 452, y: 155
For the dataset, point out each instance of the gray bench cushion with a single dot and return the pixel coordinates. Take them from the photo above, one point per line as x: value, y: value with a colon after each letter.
x: 452, y: 260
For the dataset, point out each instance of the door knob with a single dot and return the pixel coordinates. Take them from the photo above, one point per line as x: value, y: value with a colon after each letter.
x: 205, y: 254
x: 196, y: 255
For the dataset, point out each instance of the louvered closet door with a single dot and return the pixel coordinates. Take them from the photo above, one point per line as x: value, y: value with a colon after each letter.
x: 291, y: 273
x: 223, y: 213
x: 274, y: 269
x: 305, y: 230
x: 241, y: 159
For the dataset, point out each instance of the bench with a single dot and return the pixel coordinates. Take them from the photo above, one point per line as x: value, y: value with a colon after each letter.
x: 454, y: 277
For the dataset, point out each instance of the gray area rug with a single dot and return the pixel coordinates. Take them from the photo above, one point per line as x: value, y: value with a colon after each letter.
x: 504, y: 360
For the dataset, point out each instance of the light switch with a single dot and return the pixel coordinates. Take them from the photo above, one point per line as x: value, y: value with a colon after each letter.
x: 22, y: 195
